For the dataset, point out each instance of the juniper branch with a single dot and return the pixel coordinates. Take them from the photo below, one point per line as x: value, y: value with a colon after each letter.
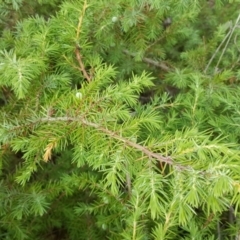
x: 147, y: 152
x: 116, y: 136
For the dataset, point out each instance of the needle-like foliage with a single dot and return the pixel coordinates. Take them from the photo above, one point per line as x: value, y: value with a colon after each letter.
x: 119, y: 120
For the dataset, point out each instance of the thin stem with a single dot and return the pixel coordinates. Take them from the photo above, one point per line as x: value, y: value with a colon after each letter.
x: 129, y: 183
x: 216, y: 51
x: 227, y: 37
x: 231, y: 33
x: 150, y: 61
x: 82, y: 67
x: 77, y: 50
x: 81, y: 19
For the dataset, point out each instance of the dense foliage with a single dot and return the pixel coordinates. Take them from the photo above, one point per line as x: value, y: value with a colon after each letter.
x: 119, y: 119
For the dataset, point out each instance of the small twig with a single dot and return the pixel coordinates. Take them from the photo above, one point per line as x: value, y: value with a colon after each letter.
x: 155, y: 42
x: 129, y: 183
x: 219, y: 231
x: 150, y: 61
x: 82, y: 67
x: 208, y: 221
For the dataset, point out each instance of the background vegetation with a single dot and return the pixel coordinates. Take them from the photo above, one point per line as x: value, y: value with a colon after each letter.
x: 119, y: 119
